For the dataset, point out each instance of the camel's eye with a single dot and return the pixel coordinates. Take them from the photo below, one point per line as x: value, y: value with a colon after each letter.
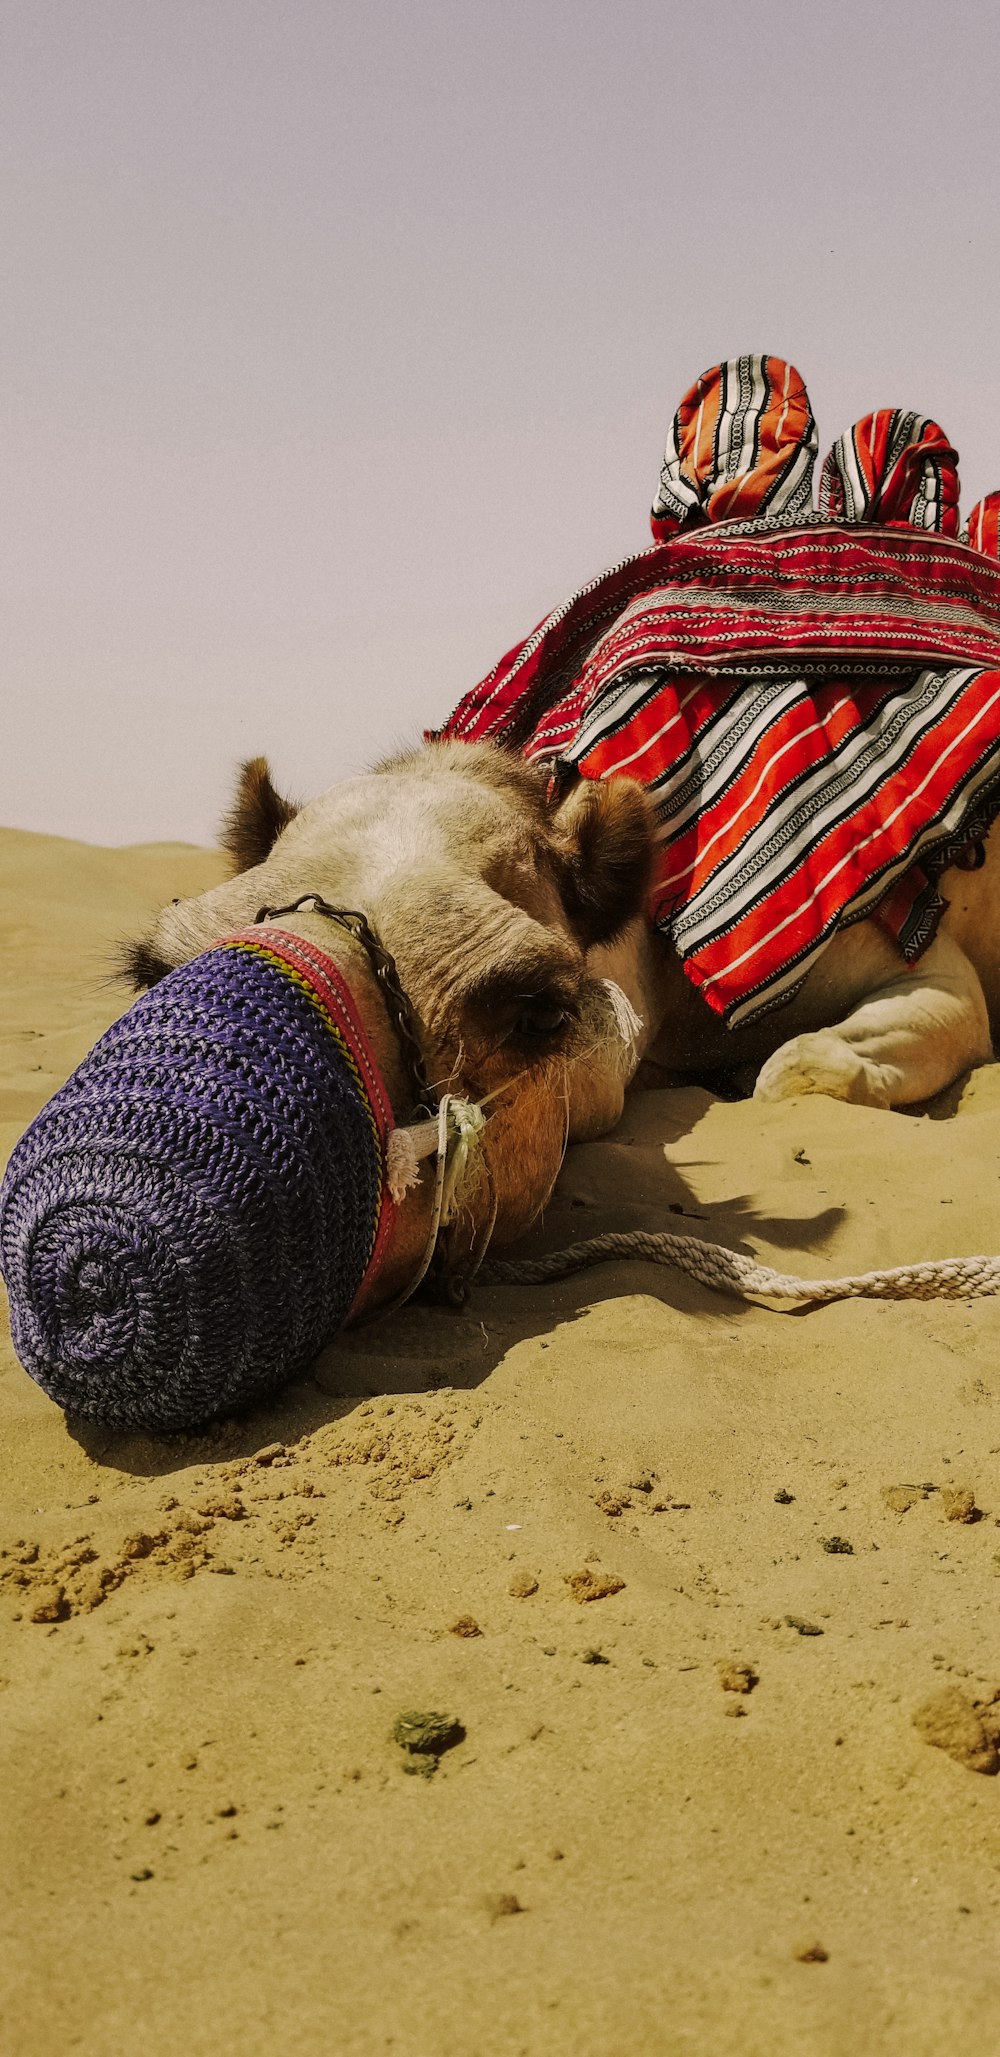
x: 539, y: 1021
x: 532, y: 1013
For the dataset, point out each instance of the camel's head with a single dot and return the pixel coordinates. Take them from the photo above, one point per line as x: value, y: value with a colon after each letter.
x: 489, y: 893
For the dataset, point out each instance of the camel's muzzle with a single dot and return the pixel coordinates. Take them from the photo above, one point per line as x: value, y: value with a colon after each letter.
x: 194, y: 1213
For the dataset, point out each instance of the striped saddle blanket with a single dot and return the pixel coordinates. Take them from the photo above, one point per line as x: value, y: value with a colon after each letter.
x: 811, y: 696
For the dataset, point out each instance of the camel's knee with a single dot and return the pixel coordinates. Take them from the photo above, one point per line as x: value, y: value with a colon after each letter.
x: 905, y: 1042
x: 822, y: 1063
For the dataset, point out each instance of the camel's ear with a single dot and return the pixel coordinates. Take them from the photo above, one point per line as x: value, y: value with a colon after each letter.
x: 257, y: 816
x: 604, y: 855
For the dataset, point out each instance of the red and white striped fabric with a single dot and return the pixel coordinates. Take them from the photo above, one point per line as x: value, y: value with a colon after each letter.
x: 743, y: 442
x: 893, y: 467
x: 983, y: 530
x: 814, y: 704
x: 787, y: 806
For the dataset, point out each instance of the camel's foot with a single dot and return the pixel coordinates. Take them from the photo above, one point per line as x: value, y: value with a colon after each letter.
x: 821, y: 1063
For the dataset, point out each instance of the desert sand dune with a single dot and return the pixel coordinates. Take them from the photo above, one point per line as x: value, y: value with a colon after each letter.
x: 209, y: 1840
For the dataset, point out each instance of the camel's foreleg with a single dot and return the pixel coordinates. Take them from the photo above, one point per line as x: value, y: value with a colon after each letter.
x: 906, y: 1040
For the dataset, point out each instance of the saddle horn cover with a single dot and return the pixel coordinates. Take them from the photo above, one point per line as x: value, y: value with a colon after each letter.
x: 192, y: 1215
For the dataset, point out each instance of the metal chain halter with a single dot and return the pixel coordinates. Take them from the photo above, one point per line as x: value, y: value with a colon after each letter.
x: 401, y: 1011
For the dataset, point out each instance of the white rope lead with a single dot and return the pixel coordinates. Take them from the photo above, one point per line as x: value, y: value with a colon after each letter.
x: 947, y: 1278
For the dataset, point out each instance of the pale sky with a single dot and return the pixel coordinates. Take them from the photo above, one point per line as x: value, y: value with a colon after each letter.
x: 339, y: 338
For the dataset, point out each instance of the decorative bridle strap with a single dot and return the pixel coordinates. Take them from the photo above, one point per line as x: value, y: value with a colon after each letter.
x: 401, y: 1011
x: 324, y: 986
x: 451, y: 1128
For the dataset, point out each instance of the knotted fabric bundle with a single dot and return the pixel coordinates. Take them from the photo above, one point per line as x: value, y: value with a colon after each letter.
x: 194, y: 1213
x: 742, y: 442
x: 983, y: 531
x: 895, y: 467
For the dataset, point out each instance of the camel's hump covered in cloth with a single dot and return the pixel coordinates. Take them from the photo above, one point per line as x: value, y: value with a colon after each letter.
x: 814, y: 703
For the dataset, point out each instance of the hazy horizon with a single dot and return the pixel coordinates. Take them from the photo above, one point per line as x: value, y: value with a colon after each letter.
x: 340, y: 343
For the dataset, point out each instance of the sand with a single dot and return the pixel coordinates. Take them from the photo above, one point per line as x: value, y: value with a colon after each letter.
x: 678, y: 1800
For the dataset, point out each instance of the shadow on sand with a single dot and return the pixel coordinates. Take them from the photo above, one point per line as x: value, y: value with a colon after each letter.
x: 423, y: 1349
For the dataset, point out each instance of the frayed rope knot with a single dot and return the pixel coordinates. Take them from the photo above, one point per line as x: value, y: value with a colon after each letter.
x: 402, y: 1162
x: 455, y: 1133
x: 628, y: 1026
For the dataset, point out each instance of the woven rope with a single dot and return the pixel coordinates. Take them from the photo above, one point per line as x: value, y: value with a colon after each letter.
x: 191, y: 1217
x: 947, y: 1278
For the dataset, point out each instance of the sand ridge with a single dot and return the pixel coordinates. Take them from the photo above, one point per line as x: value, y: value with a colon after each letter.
x: 642, y: 1497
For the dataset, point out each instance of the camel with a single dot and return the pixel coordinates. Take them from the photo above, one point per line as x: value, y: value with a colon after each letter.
x: 726, y: 814
x: 517, y: 921
x: 521, y: 874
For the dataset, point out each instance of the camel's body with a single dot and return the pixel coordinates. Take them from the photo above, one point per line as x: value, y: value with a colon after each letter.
x: 504, y: 915
x: 864, y: 1026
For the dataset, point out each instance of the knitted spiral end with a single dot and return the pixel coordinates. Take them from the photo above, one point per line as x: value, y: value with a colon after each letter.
x: 191, y: 1217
